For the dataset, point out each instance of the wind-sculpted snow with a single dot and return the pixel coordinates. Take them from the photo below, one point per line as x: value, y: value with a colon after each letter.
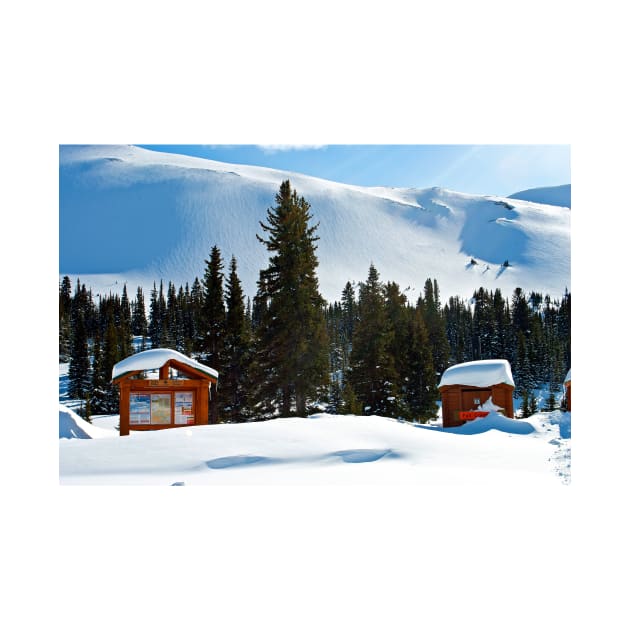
x: 73, y: 426
x: 128, y: 215
x: 550, y: 195
x: 493, y: 421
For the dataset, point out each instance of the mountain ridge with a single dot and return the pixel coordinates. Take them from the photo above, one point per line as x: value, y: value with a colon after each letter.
x: 157, y: 215
x: 548, y: 195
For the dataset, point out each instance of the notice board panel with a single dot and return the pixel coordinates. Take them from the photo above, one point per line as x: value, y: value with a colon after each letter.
x: 160, y: 409
x: 184, y: 413
x: 139, y: 409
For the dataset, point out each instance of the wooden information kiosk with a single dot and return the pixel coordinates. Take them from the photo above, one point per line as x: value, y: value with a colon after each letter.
x: 467, y: 387
x: 179, y: 396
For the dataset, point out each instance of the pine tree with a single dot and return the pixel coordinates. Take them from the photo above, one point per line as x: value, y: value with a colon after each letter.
x: 292, y: 354
x: 79, y: 376
x: 350, y: 404
x: 65, y: 315
x: 125, y: 334
x: 420, y: 384
x: 525, y: 408
x: 110, y: 356
x: 212, y: 324
x: 100, y: 380
x: 212, y: 316
x: 436, y: 326
x: 157, y: 317
x: 139, y: 325
x: 372, y: 373
x: 235, y: 379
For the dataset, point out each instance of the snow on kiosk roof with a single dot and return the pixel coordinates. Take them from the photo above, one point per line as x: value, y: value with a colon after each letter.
x: 156, y: 358
x: 478, y: 373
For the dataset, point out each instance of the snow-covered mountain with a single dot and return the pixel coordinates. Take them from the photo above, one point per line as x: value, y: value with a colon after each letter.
x: 137, y: 216
x: 550, y: 195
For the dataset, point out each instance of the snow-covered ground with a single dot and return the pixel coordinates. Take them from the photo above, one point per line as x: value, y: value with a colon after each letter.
x: 321, y: 449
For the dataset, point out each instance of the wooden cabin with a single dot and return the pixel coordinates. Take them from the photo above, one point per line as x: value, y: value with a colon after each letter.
x: 567, y: 391
x: 471, y: 390
x: 162, y: 389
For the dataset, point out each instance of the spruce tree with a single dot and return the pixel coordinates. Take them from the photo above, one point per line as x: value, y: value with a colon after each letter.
x: 292, y: 353
x: 110, y: 356
x: 79, y: 376
x: 100, y: 380
x: 139, y: 323
x: 212, y: 314
x: 157, y: 317
x: 235, y: 378
x: 436, y: 325
x: 212, y: 324
x: 65, y: 314
x: 420, y: 383
x: 125, y: 333
x: 372, y: 373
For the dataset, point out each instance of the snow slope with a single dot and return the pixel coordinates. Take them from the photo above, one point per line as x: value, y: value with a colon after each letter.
x: 551, y: 195
x: 71, y: 425
x: 324, y: 449
x: 136, y: 216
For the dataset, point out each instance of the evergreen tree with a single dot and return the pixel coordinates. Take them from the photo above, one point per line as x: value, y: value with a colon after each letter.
x: 212, y: 315
x: 520, y: 312
x: 157, y: 317
x: 459, y: 330
x: 65, y: 315
x: 196, y: 307
x: 212, y: 323
x: 235, y: 381
x: 139, y: 325
x: 372, y: 373
x: 420, y: 384
x: 436, y: 326
x: 125, y: 333
x: 350, y: 404
x: 79, y: 369
x: 525, y: 408
x: 292, y: 354
x: 110, y: 356
x: 100, y: 380
x: 551, y: 402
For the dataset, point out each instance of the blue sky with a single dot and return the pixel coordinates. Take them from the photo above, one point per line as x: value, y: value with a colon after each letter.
x: 478, y: 169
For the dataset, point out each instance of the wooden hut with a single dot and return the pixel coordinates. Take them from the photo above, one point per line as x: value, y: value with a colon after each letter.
x: 472, y: 390
x: 161, y: 389
x: 567, y: 391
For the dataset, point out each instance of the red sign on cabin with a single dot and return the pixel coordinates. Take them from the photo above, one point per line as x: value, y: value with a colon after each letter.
x: 471, y: 415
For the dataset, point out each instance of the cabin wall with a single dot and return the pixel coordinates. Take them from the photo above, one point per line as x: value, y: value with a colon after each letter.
x: 456, y: 398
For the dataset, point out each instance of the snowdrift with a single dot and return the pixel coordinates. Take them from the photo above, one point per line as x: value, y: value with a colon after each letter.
x: 493, y: 421
x: 72, y: 426
x: 321, y: 449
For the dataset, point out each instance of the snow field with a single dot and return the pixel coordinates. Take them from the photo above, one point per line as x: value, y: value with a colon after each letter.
x: 182, y: 206
x: 321, y: 449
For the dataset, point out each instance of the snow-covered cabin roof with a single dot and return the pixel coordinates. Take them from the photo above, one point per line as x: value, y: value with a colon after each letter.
x: 479, y: 373
x: 568, y: 377
x: 155, y: 359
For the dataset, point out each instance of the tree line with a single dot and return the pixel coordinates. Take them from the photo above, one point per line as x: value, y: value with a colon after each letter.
x: 287, y: 352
